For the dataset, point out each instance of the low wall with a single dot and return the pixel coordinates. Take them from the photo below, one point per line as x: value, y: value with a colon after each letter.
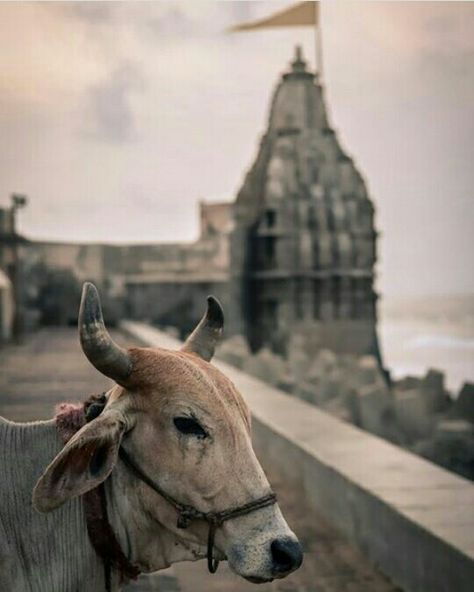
x: 414, y: 520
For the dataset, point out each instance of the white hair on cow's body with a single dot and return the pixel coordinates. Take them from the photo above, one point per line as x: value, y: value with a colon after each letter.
x: 40, y: 552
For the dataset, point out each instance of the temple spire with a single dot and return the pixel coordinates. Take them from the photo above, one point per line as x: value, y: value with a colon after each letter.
x: 298, y: 64
x: 303, y: 245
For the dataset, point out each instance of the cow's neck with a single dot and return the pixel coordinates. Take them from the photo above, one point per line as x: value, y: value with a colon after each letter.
x: 40, y: 552
x: 149, y: 539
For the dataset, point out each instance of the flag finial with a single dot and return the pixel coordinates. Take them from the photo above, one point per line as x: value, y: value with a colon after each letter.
x: 299, y: 64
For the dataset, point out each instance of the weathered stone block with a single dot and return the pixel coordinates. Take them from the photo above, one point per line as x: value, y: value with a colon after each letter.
x: 367, y: 372
x: 287, y: 382
x: 322, y: 365
x: 433, y: 379
x: 329, y: 387
x: 411, y: 414
x: 267, y: 366
x: 235, y: 351
x: 407, y: 383
x: 453, y: 428
x: 434, y: 393
x: 452, y: 446
x: 373, y: 408
x: 298, y: 359
x: 463, y: 406
x: 338, y: 408
x: 307, y: 391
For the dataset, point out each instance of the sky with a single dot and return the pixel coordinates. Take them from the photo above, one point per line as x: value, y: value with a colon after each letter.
x: 116, y: 118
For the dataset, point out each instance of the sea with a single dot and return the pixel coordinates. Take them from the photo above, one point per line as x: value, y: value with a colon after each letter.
x: 420, y: 333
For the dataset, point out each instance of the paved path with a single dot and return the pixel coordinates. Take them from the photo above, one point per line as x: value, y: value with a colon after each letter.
x: 49, y: 367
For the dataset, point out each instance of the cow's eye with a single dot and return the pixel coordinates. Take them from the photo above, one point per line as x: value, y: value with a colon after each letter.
x: 189, y: 426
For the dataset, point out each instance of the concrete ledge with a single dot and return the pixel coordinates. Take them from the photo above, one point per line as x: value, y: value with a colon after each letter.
x: 414, y: 520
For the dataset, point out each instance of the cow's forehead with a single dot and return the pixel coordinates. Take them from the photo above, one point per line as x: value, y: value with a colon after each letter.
x: 160, y: 372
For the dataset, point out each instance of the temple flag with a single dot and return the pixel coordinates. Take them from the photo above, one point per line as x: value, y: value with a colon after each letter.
x: 300, y: 15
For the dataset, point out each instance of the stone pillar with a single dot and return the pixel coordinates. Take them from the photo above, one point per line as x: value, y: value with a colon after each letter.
x: 326, y: 307
x: 345, y: 298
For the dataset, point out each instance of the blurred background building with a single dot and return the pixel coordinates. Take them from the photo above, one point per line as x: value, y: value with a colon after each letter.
x: 12, y: 251
x: 303, y: 246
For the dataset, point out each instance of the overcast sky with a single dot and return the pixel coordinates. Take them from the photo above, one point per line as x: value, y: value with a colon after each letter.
x: 116, y: 118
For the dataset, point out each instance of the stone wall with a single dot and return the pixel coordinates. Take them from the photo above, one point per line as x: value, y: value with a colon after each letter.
x: 416, y: 413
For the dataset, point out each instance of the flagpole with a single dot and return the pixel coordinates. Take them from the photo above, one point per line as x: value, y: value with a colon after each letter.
x: 318, y: 39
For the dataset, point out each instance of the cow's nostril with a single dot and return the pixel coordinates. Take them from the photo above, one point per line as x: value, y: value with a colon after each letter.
x: 286, y: 555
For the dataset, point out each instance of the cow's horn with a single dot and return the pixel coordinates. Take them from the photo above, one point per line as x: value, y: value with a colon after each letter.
x: 101, y: 351
x: 204, y: 338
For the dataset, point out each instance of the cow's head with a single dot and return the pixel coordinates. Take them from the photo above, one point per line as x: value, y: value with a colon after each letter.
x: 188, y: 428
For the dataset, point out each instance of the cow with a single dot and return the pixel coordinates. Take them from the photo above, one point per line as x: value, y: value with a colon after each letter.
x: 170, y: 449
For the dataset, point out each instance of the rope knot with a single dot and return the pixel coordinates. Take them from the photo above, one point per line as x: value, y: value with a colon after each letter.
x: 214, y: 518
x: 186, y: 516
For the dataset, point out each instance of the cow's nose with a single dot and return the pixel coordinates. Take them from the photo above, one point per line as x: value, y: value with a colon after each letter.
x: 287, y: 555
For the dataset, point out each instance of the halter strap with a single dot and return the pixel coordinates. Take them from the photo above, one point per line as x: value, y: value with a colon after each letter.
x: 187, y: 513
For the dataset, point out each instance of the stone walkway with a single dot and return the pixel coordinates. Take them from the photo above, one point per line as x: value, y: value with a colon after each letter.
x: 49, y: 367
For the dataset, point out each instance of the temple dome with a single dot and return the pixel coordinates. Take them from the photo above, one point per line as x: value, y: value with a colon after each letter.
x: 298, y: 102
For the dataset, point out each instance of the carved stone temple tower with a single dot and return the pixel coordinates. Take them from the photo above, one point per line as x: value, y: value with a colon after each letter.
x: 303, y: 248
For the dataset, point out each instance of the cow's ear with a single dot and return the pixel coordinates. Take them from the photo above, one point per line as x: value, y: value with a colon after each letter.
x: 85, y: 461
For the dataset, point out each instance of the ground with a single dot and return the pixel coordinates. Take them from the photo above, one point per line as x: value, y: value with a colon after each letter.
x: 49, y: 368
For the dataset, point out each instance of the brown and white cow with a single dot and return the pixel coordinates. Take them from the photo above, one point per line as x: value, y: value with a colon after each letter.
x: 187, y: 428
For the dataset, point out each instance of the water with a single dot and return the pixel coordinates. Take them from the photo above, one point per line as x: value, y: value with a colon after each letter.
x: 434, y: 332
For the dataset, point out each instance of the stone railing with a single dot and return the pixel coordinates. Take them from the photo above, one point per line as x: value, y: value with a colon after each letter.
x: 414, y: 520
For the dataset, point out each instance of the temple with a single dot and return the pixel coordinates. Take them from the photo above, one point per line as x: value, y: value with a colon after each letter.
x: 303, y: 248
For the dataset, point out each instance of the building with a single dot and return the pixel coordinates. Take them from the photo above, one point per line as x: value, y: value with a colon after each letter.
x: 11, y: 244
x: 294, y: 254
x: 163, y: 283
x: 303, y: 248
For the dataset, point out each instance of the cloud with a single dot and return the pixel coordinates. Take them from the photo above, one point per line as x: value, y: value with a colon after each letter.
x: 151, y: 103
x: 172, y: 22
x: 91, y: 12
x: 109, y: 111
